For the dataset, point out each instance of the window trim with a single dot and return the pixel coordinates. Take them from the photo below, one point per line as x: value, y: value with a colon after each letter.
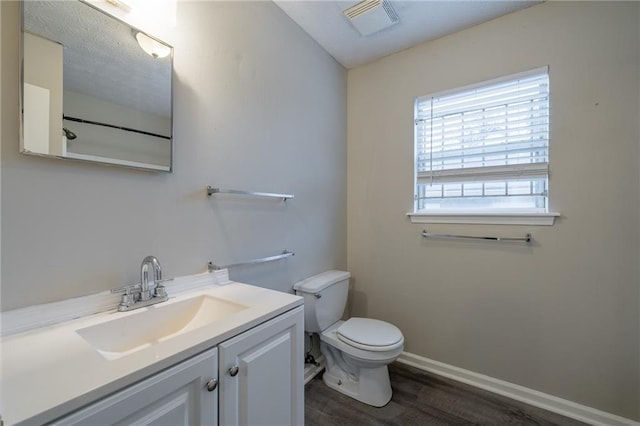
x: 485, y: 217
x: 500, y: 217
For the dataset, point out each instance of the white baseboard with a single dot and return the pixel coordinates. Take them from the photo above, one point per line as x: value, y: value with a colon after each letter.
x: 520, y: 393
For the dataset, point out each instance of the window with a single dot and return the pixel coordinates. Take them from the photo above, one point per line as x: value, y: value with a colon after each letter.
x: 484, y: 148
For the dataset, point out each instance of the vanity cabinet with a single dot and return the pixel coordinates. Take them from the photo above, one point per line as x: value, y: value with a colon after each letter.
x: 261, y: 374
x: 185, y: 394
x: 254, y: 378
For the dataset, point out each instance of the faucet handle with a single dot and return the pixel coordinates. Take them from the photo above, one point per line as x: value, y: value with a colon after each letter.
x: 159, y: 290
x: 128, y: 296
x: 128, y: 289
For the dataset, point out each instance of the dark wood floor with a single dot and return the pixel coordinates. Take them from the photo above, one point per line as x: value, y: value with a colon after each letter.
x: 420, y: 398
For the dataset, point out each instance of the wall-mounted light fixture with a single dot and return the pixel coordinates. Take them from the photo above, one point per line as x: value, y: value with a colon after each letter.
x: 152, y: 46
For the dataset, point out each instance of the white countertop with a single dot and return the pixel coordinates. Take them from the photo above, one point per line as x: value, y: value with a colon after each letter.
x: 50, y: 371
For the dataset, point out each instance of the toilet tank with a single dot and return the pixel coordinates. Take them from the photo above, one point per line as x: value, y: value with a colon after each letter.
x: 325, y: 297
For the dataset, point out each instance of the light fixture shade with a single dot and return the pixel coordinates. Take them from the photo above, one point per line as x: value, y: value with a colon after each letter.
x: 152, y: 46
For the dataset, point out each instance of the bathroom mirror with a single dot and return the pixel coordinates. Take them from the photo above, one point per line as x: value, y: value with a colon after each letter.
x: 90, y: 90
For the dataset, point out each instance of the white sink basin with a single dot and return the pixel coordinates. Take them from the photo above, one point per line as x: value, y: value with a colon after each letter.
x: 154, y: 324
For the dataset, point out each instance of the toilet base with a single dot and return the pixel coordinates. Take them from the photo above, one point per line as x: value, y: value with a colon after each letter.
x: 373, y: 387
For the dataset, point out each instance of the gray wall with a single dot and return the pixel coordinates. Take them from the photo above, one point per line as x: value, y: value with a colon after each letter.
x: 258, y: 106
x: 562, y: 315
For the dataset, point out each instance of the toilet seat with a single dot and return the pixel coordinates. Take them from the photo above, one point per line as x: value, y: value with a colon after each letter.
x: 388, y: 354
x: 370, y: 334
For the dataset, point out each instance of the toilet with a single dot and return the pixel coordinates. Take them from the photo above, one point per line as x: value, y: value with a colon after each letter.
x: 358, y: 350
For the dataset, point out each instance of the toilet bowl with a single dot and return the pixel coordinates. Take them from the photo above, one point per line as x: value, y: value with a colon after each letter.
x: 358, y: 369
x: 358, y: 350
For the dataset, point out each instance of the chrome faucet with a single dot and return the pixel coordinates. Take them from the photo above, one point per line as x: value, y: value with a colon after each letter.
x: 140, y: 295
x: 145, y: 293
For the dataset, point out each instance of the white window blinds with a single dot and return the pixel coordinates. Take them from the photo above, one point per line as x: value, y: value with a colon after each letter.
x: 484, y: 147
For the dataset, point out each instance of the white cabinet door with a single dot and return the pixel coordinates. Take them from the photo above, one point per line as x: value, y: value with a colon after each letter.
x: 180, y: 395
x: 261, y: 374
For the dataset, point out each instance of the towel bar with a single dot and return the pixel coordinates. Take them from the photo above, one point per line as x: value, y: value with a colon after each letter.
x: 527, y: 238
x: 211, y: 191
x: 284, y: 254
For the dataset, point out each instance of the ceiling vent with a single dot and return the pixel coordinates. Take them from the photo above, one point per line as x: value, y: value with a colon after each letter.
x: 371, y: 16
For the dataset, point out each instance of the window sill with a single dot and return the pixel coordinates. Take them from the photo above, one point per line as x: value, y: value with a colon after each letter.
x: 485, y: 218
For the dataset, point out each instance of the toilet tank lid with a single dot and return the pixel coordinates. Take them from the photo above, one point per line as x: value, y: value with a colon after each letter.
x: 321, y: 281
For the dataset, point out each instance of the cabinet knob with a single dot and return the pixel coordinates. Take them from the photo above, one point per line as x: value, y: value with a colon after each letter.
x: 233, y: 371
x: 212, y: 385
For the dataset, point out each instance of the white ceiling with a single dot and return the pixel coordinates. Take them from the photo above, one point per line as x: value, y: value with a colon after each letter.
x: 420, y: 21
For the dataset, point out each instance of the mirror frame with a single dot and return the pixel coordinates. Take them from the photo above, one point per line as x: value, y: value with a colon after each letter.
x: 150, y: 167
